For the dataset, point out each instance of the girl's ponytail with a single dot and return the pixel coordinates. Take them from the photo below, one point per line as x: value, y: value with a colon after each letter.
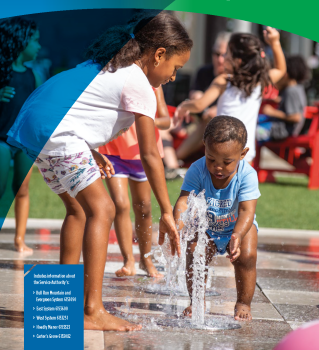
x: 115, y: 43
x: 254, y: 66
x: 121, y: 46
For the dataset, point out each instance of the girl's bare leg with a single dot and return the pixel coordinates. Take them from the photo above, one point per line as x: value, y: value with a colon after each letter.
x: 118, y: 188
x: 245, y: 274
x: 141, y: 197
x: 72, y: 230
x: 100, y: 212
x: 170, y: 159
x: 210, y: 252
x: 21, y: 209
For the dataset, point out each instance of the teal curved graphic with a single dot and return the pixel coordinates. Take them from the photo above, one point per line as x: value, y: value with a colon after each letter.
x: 290, y: 15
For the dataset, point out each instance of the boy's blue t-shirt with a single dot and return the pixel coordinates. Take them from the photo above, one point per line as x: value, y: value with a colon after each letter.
x: 223, y: 203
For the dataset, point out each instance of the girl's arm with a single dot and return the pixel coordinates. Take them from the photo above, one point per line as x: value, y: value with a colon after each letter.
x: 154, y: 169
x: 180, y: 207
x: 38, y: 79
x: 217, y: 87
x: 246, y: 213
x: 163, y: 120
x: 271, y: 36
x: 276, y: 113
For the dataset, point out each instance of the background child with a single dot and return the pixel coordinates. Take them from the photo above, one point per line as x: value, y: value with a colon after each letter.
x: 85, y: 108
x: 124, y: 154
x: 231, y: 192
x: 239, y: 91
x: 19, y: 42
x: 288, y: 119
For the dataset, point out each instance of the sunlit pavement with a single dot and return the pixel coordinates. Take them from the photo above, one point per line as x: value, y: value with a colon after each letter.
x: 286, y: 296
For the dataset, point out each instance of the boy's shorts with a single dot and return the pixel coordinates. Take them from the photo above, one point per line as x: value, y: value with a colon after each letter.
x: 221, y: 241
x: 71, y: 174
x: 131, y: 169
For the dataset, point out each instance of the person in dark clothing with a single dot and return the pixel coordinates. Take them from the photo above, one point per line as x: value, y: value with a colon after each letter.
x: 206, y: 74
x: 19, y: 42
x: 288, y: 119
x: 204, y: 77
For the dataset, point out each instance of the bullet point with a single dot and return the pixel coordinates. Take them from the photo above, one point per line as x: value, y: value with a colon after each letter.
x: 33, y: 317
x: 33, y: 308
x: 33, y: 326
x: 33, y: 292
x: 33, y: 336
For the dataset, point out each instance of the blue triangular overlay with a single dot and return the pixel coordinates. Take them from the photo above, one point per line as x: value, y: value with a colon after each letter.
x: 74, y: 85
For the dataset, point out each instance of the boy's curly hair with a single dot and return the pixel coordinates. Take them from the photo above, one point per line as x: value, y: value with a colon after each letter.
x: 151, y: 30
x: 15, y: 34
x: 254, y: 66
x: 297, y: 68
x: 223, y: 129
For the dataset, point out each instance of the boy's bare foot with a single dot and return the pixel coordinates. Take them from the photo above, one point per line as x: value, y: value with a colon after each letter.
x: 148, y: 266
x: 103, y: 321
x: 127, y: 270
x: 188, y: 311
x: 242, y: 312
x: 21, y: 247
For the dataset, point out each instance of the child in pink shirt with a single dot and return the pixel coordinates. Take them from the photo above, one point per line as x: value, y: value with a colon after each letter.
x: 124, y: 153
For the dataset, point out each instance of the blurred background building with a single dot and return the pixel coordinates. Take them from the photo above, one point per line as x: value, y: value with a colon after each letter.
x: 65, y: 35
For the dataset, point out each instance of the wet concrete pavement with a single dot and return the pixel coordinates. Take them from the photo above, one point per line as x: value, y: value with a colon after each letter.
x: 287, y: 295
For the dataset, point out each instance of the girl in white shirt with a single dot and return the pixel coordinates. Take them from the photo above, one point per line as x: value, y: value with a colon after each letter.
x: 84, y: 108
x: 240, y: 90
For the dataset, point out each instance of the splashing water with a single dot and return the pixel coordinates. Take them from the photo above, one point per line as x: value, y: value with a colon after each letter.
x: 163, y: 255
x: 195, y: 221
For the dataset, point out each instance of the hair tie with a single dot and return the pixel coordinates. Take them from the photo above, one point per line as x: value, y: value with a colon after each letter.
x: 130, y: 30
x: 262, y: 54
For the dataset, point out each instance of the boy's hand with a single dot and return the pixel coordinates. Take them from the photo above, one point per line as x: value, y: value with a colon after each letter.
x: 106, y: 167
x: 271, y: 35
x: 234, y: 247
x: 167, y: 226
x: 6, y: 94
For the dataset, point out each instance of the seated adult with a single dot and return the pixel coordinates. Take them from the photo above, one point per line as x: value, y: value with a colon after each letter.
x: 288, y: 119
x: 203, y: 79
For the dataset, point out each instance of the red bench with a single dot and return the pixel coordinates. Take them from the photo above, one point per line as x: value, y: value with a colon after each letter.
x: 289, y: 150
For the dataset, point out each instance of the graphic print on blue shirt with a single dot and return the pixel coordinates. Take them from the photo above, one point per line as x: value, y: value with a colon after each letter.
x: 223, y: 203
x: 219, y: 223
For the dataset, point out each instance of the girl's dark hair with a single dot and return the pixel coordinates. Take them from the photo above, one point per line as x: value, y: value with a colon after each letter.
x: 15, y: 34
x: 297, y: 68
x: 254, y: 67
x: 117, y: 49
x: 223, y: 129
